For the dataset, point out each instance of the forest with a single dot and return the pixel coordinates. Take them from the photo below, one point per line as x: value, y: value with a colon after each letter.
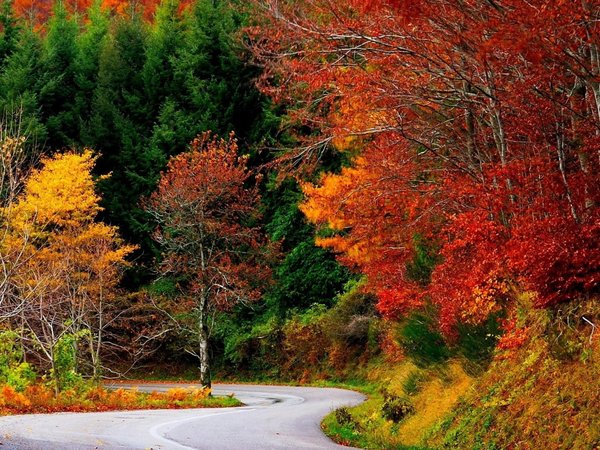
x: 397, y: 196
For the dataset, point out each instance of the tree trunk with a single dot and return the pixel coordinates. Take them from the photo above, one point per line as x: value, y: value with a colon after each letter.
x: 203, y: 355
x: 203, y: 342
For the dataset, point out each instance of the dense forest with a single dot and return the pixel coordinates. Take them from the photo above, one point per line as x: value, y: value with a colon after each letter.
x: 399, y: 194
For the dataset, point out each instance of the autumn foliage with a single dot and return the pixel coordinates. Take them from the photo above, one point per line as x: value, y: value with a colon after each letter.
x: 206, y: 209
x: 38, y: 398
x: 38, y: 12
x: 61, y: 265
x: 471, y: 125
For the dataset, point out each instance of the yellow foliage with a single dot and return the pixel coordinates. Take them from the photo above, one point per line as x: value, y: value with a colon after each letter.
x: 435, y: 400
x: 66, y: 263
x: 61, y: 193
x: 54, y: 221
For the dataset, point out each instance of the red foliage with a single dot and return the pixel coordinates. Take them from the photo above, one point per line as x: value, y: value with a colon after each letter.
x: 205, y: 210
x: 513, y: 337
x: 38, y: 12
x: 474, y: 124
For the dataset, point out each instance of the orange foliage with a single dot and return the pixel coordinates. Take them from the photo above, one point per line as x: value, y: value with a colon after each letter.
x: 475, y: 128
x: 389, y: 345
x: 39, y: 398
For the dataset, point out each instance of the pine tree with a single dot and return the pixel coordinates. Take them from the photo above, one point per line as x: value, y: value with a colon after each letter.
x: 87, y: 63
x: 18, y: 85
x: 9, y: 30
x: 57, y: 78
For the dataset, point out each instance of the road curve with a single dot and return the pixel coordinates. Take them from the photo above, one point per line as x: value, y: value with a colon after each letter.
x: 274, y: 417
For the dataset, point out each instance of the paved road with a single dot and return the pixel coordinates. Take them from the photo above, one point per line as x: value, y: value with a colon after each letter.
x: 275, y: 417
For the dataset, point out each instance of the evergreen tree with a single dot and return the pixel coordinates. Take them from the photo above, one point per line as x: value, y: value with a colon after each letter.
x: 307, y: 274
x: 118, y: 130
x: 9, y: 30
x: 87, y: 62
x: 164, y: 39
x: 57, y: 89
x: 18, y: 94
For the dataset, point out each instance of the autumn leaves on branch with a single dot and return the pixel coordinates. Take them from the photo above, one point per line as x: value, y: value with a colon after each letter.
x: 471, y: 126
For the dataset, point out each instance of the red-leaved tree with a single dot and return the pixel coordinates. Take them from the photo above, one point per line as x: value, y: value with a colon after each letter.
x: 207, y: 232
x: 475, y: 124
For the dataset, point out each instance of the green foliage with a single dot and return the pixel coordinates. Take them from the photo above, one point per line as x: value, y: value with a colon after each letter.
x: 165, y: 286
x: 412, y: 383
x: 421, y: 340
x: 64, y: 373
x: 343, y: 417
x: 9, y: 30
x: 56, y: 80
x: 476, y: 343
x: 424, y: 261
x: 19, y: 75
x: 307, y: 274
x: 13, y: 370
x: 353, y: 319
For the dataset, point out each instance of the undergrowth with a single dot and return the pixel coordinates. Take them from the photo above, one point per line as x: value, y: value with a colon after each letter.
x: 539, y: 389
x: 542, y: 392
x: 39, y: 398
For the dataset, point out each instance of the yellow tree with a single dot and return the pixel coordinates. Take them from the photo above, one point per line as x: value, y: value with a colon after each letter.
x: 73, y: 263
x: 12, y: 168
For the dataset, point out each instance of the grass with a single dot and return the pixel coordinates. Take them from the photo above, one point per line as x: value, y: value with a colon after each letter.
x: 429, y: 393
x: 542, y: 394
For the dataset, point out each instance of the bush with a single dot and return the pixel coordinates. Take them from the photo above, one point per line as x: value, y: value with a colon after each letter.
x: 344, y: 418
x: 395, y: 408
x: 351, y: 320
x: 64, y: 374
x: 14, y: 372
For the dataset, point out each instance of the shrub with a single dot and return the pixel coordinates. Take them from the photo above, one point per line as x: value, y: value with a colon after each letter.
x: 395, y: 408
x: 13, y: 370
x: 343, y: 417
x: 64, y: 374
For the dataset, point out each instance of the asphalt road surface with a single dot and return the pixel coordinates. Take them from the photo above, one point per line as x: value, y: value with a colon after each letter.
x: 275, y: 417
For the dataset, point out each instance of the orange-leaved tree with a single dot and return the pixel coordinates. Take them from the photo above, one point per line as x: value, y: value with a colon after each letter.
x: 206, y: 210
x: 72, y: 263
x: 475, y: 128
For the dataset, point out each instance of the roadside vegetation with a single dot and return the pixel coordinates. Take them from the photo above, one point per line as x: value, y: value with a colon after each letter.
x: 448, y: 405
x: 87, y: 397
x: 22, y: 390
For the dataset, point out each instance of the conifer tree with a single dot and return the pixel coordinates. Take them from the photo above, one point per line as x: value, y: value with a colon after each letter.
x: 57, y: 78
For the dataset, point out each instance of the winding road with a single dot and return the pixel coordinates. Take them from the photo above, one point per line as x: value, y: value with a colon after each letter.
x: 274, y: 417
